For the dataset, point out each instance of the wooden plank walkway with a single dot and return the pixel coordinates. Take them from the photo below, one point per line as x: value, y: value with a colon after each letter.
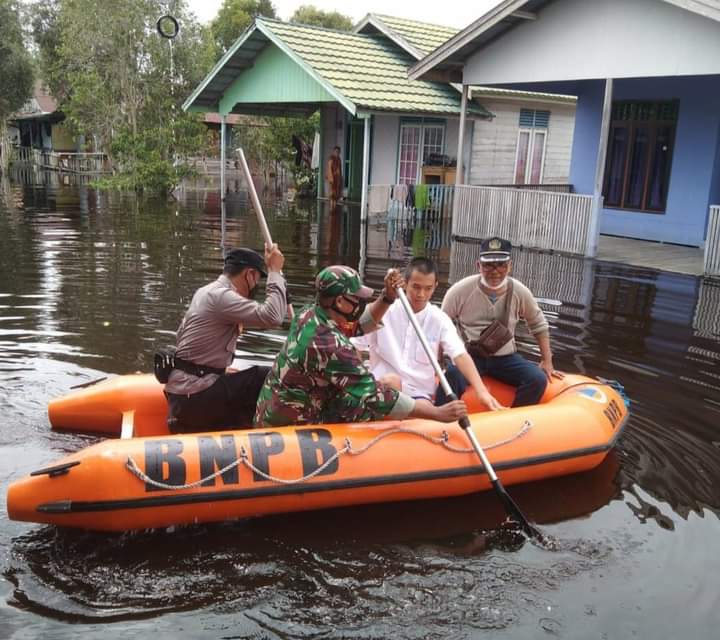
x: 654, y: 255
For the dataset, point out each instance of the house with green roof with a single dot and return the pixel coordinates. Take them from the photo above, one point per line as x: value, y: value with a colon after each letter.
x: 357, y: 81
x: 386, y: 125
x: 528, y: 140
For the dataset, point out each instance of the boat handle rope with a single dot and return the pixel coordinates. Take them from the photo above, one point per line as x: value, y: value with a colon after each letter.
x: 243, y: 458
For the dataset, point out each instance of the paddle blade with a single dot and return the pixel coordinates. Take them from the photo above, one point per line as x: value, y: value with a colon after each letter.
x: 514, y: 511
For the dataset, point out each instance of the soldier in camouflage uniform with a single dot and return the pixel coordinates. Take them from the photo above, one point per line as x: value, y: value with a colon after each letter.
x: 318, y: 376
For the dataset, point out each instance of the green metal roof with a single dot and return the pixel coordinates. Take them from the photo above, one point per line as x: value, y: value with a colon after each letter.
x: 425, y: 37
x: 420, y: 38
x: 364, y: 72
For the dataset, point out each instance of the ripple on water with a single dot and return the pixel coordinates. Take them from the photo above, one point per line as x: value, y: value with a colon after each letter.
x: 90, y: 279
x: 477, y: 580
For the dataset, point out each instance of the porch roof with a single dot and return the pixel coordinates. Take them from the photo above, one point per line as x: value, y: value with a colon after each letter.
x: 41, y: 106
x: 364, y: 73
x: 446, y: 62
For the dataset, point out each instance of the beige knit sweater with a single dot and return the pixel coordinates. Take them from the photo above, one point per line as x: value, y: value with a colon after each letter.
x: 472, y: 310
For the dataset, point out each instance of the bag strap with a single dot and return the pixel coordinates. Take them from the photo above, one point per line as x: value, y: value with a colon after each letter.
x: 505, y: 316
x: 508, y: 300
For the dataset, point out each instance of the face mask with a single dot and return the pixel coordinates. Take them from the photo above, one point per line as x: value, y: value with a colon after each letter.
x: 489, y: 286
x: 354, y: 315
x: 252, y: 291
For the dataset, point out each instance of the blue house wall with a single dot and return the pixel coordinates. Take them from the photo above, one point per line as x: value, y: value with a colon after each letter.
x: 694, y: 178
x: 715, y: 186
x: 588, y: 118
x: 695, y: 171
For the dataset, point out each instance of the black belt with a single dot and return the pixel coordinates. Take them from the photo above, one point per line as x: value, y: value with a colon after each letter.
x: 198, y: 370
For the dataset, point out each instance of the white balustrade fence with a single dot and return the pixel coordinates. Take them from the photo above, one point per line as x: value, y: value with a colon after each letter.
x: 712, y: 242
x: 531, y: 218
x: 61, y: 161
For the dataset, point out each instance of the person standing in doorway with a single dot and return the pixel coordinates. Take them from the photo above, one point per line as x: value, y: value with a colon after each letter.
x: 334, y: 176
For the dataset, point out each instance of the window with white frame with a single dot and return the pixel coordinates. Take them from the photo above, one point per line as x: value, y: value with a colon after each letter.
x: 530, y: 151
x: 417, y: 141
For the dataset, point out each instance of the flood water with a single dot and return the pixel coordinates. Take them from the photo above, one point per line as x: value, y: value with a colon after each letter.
x: 91, y: 283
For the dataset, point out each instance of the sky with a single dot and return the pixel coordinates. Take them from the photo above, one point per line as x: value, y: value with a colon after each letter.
x: 451, y: 13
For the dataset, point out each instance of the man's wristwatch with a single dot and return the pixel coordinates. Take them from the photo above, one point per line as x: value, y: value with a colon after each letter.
x: 387, y: 300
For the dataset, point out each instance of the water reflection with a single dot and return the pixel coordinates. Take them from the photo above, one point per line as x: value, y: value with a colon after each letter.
x: 91, y: 282
x: 649, y: 329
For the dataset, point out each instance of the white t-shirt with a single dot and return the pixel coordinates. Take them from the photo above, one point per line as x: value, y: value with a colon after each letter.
x: 395, y: 347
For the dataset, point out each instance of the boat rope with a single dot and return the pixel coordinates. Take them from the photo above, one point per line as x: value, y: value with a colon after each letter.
x: 442, y: 440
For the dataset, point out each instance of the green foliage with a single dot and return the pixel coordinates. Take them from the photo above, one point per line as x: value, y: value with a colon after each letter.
x: 16, y: 72
x: 305, y: 181
x: 151, y: 160
x: 234, y: 17
x: 309, y: 14
x: 112, y: 74
x: 45, y: 24
x: 270, y: 144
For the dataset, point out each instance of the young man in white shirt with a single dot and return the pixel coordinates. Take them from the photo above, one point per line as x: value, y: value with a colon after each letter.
x: 397, y: 356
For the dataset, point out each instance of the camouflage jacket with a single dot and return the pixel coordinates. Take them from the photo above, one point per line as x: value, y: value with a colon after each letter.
x: 318, y: 376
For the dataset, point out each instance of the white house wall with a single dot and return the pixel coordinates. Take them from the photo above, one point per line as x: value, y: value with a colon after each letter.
x: 452, y: 129
x: 494, y: 142
x: 578, y: 39
x: 384, y: 149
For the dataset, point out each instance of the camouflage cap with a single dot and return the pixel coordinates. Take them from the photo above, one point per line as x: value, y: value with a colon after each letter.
x: 339, y: 279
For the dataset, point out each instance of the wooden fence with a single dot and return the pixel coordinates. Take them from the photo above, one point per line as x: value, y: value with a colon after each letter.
x: 60, y: 161
x: 712, y: 242
x: 538, y: 219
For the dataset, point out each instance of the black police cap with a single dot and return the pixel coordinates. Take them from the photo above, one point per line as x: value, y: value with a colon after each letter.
x: 246, y: 258
x: 495, y: 250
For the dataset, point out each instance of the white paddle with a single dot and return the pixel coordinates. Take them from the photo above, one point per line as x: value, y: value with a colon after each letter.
x: 512, y: 509
x: 259, y: 211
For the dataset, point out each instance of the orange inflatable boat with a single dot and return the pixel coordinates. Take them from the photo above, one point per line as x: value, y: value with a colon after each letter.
x: 161, y: 480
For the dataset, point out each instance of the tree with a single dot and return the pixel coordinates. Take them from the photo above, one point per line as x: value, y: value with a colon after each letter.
x: 270, y: 145
x: 234, y: 17
x: 111, y: 72
x: 309, y: 14
x: 45, y: 23
x: 16, y: 71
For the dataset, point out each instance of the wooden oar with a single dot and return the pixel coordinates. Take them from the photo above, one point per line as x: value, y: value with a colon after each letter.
x: 258, y: 210
x: 512, y: 509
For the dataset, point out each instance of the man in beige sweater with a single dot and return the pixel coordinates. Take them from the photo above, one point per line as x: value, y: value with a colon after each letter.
x: 475, y: 302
